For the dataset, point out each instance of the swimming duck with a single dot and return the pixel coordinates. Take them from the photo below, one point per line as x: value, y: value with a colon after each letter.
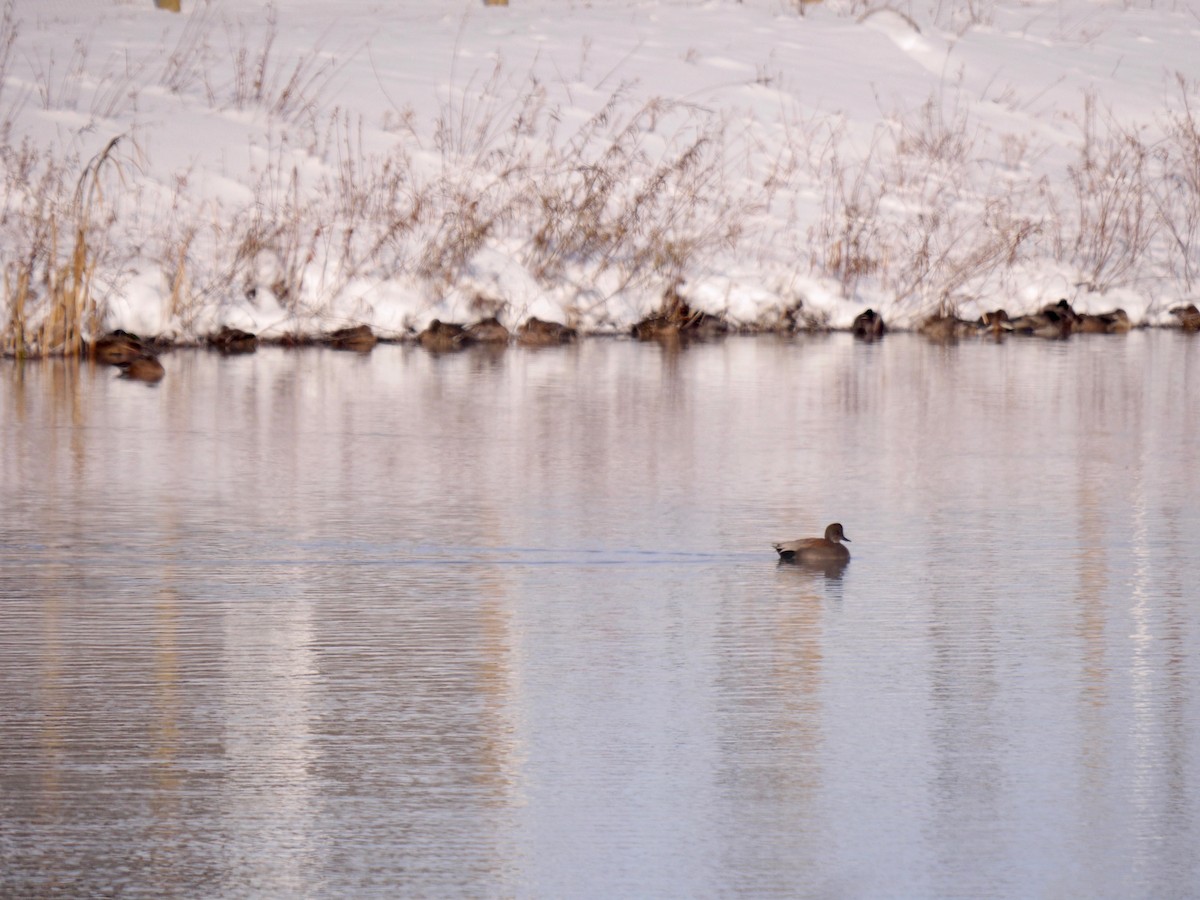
x: 816, y: 550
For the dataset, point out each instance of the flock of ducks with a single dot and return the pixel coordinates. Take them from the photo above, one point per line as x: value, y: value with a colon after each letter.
x: 138, y: 359
x: 1054, y: 322
x: 446, y: 337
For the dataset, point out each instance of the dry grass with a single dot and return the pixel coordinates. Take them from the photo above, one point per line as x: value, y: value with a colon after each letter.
x: 48, y: 289
x: 290, y: 90
x: 1176, y: 193
x: 1111, y: 224
x: 601, y: 205
x: 9, y: 106
x: 932, y: 215
x: 188, y: 61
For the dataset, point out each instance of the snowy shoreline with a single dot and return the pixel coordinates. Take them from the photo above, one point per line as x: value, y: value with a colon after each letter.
x: 289, y: 170
x: 1057, y: 321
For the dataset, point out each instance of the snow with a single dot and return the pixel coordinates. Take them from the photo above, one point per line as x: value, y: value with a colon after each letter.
x: 305, y: 165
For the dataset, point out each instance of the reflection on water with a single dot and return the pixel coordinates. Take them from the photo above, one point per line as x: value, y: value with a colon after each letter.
x: 831, y: 569
x: 301, y: 623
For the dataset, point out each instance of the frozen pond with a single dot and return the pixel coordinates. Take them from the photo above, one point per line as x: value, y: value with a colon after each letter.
x: 307, y: 623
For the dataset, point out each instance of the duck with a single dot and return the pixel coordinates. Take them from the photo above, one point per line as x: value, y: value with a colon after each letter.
x: 359, y: 338
x: 828, y: 549
x: 1188, y: 316
x: 702, y: 326
x: 145, y: 367
x: 1054, y: 322
x: 1114, y: 322
x: 656, y: 328
x: 444, y: 337
x: 489, y: 331
x: 540, y: 333
x: 117, y: 348
x: 946, y: 328
x: 995, y: 322
x: 1118, y: 321
x: 1062, y: 309
x: 230, y: 341
x: 677, y: 320
x: 868, y: 325
x: 1089, y: 323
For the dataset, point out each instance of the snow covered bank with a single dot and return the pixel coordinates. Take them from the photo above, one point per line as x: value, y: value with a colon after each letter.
x: 303, y: 166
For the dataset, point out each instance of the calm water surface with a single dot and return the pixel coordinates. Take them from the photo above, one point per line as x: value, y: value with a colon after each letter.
x: 509, y: 625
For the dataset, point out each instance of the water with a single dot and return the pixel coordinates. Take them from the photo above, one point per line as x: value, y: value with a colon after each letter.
x: 509, y: 625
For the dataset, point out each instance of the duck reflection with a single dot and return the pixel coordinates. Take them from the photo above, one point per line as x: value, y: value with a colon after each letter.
x: 831, y: 569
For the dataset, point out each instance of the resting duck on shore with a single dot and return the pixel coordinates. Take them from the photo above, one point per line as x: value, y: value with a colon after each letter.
x: 1188, y: 316
x: 1115, y: 322
x: 489, y: 331
x: 444, y: 337
x: 947, y: 328
x: 824, y: 550
x: 1054, y: 322
x: 868, y: 325
x: 995, y: 322
x: 358, y: 338
x: 232, y: 341
x: 540, y: 333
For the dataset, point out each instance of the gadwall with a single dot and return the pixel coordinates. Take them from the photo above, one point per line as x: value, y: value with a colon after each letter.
x: 1054, y: 322
x: 117, y: 348
x: 1188, y: 316
x: 231, y: 341
x: 828, y: 549
x: 947, y: 328
x: 356, y: 338
x: 444, y: 337
x: 868, y: 325
x: 143, y: 368
x: 489, y: 331
x: 1118, y: 321
x: 1062, y: 309
x: 995, y: 322
x: 1115, y: 322
x: 678, y: 320
x: 656, y: 328
x: 540, y: 333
